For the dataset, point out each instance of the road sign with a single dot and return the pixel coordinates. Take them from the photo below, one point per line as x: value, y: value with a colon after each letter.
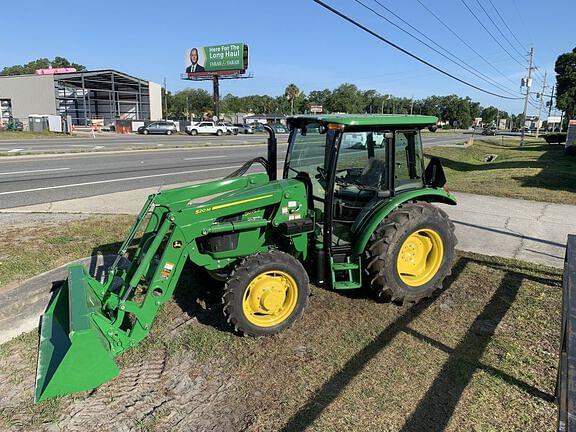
x: 554, y: 119
x: 316, y: 109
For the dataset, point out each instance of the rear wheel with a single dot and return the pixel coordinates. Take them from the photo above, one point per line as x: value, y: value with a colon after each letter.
x: 219, y: 132
x: 266, y: 293
x: 410, y: 253
x: 169, y: 132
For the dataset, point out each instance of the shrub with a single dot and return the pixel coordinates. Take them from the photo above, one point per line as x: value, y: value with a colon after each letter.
x: 555, y: 138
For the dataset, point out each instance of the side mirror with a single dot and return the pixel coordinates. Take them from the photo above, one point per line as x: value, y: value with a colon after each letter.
x: 434, y: 174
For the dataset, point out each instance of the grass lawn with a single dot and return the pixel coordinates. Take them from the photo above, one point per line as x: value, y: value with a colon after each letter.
x: 480, y: 355
x: 29, y: 250
x: 537, y: 171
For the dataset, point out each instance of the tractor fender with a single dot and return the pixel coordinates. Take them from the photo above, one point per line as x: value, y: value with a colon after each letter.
x: 379, y: 212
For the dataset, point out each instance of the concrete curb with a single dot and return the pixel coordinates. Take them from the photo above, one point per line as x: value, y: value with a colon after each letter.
x: 22, y: 306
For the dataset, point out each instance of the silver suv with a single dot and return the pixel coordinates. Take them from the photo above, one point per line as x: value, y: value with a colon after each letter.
x: 158, y: 127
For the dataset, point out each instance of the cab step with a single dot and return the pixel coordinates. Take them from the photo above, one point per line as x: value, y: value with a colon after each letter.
x: 347, y: 285
x: 344, y: 266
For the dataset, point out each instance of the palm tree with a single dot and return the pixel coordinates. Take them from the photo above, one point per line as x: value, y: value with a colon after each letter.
x: 291, y: 93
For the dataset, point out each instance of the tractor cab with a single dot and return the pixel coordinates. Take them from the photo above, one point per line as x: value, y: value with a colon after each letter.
x: 354, y: 166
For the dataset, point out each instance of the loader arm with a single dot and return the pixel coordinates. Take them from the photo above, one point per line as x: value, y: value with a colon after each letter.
x: 89, y: 323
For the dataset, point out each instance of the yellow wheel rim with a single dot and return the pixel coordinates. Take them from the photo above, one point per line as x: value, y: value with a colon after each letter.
x: 420, y: 257
x: 270, y: 298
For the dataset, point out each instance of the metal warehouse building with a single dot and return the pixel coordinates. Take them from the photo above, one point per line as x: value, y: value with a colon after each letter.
x: 100, y: 94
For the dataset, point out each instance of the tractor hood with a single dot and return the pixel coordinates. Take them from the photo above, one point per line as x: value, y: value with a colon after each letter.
x: 251, y: 196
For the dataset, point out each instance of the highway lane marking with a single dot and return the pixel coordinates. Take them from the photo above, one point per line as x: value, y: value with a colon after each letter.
x: 15, y: 150
x: 206, y: 157
x: 34, y: 171
x: 116, y: 180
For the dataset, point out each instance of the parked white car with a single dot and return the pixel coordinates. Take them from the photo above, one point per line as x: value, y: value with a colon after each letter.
x: 207, y: 127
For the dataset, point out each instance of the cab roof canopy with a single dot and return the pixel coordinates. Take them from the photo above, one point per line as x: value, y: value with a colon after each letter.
x: 368, y: 120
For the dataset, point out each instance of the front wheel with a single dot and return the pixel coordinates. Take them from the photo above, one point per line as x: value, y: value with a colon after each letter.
x: 145, y: 132
x: 410, y: 253
x: 193, y: 132
x: 265, y: 294
x: 169, y: 132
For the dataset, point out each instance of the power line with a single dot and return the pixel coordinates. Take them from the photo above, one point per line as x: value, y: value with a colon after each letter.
x: 490, y: 33
x: 468, y: 67
x: 524, y: 26
x: 498, y: 28
x: 511, y: 32
x: 465, y: 43
x: 399, y: 48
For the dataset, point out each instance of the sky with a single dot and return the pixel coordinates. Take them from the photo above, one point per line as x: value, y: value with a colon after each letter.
x: 298, y: 42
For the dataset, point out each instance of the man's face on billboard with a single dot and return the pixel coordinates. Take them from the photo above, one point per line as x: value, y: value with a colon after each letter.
x: 194, y: 56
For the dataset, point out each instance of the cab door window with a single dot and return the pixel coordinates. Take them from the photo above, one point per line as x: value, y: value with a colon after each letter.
x: 409, y: 163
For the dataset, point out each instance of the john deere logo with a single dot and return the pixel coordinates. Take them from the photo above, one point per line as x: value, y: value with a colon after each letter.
x: 177, y: 244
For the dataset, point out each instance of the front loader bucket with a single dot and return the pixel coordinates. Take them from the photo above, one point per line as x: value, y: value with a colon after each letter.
x: 73, y: 354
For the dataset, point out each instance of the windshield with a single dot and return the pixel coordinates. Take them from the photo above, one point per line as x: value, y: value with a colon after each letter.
x: 309, y: 153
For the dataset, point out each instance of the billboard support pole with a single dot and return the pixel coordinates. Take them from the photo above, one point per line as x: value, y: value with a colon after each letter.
x: 216, y: 95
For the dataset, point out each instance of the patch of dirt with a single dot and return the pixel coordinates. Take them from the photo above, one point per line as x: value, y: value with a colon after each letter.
x: 155, y: 393
x: 163, y: 394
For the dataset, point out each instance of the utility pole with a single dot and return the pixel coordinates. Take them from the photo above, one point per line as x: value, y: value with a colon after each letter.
x: 528, y: 85
x: 544, y: 86
x: 551, y: 99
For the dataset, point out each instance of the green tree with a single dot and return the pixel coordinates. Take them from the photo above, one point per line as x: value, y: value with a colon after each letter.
x: 346, y: 98
x: 319, y: 97
x: 291, y: 93
x: 489, y: 115
x: 189, y: 103
x: 565, y: 69
x: 41, y: 63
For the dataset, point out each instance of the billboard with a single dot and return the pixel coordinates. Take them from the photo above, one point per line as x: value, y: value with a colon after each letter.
x: 216, y: 59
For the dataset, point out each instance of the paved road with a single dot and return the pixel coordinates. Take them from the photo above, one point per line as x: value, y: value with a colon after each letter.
x: 130, y: 142
x: 43, y: 179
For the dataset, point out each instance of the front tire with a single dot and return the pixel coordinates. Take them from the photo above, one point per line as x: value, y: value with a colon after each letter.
x: 265, y: 294
x: 193, y: 132
x: 145, y: 132
x: 410, y: 253
x: 169, y: 132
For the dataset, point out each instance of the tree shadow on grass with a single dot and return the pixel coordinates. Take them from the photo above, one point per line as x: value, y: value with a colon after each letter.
x: 438, y: 404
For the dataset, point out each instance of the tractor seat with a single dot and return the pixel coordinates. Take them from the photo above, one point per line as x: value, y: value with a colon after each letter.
x: 373, y: 173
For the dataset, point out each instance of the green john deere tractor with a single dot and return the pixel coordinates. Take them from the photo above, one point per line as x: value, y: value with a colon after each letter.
x: 353, y: 209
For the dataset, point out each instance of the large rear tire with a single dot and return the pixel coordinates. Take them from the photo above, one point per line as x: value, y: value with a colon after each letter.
x: 265, y: 294
x: 410, y: 253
